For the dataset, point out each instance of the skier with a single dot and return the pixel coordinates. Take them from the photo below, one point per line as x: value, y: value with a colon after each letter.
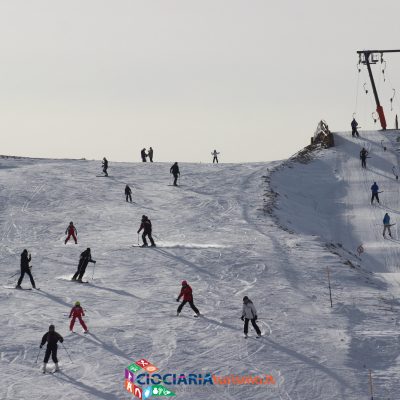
x: 25, y: 269
x: 375, y: 191
x: 77, y: 312
x: 363, y: 157
x: 128, y: 193
x: 143, y: 155
x: 51, y: 337
x: 186, y: 293
x: 84, y: 259
x: 71, y: 230
x: 354, y: 125
x: 150, y: 154
x: 215, y: 156
x: 249, y: 313
x: 146, y: 226
x: 174, y: 170
x: 105, y: 166
x: 386, y: 225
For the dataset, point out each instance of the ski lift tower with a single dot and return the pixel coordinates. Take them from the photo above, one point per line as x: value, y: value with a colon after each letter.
x: 368, y: 57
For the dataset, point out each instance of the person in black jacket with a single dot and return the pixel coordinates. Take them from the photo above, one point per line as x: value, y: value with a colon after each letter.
x: 128, y: 193
x: 105, y: 166
x: 84, y: 260
x: 51, y: 337
x: 150, y: 154
x: 174, y: 170
x: 143, y: 155
x: 354, y: 131
x: 25, y: 269
x: 146, y: 226
x: 363, y: 157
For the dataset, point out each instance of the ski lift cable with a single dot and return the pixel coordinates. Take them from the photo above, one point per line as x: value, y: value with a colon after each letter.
x: 357, y: 87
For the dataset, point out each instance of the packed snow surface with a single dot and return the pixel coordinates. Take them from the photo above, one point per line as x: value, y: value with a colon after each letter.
x: 265, y: 230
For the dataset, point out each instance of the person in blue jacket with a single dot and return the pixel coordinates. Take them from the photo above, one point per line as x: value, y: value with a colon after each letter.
x: 375, y: 191
x: 386, y: 225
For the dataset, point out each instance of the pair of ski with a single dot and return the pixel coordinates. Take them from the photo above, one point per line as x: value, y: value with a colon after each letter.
x: 21, y: 288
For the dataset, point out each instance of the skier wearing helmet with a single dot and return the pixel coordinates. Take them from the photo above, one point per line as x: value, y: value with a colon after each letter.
x: 77, y: 312
x: 249, y: 313
x: 71, y: 230
x: 146, y: 226
x: 51, y: 337
x: 186, y: 293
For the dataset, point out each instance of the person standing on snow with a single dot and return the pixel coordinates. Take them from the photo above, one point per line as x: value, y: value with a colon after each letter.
x: 25, y: 269
x: 186, y: 293
x: 143, y: 155
x: 128, y: 193
x: 354, y: 125
x: 363, y: 157
x: 249, y: 313
x: 150, y: 154
x: 386, y: 225
x: 84, y: 259
x: 71, y: 230
x: 375, y: 191
x: 77, y: 312
x: 105, y: 166
x: 174, y: 170
x: 146, y: 226
x: 215, y: 156
x: 51, y: 337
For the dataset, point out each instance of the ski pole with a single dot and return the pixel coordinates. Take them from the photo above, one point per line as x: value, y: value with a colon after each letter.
x: 94, y: 264
x: 14, y: 275
x: 37, y: 357
x: 67, y: 352
x: 138, y: 239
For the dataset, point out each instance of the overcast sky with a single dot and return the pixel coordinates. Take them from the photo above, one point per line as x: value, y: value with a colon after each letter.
x: 250, y: 78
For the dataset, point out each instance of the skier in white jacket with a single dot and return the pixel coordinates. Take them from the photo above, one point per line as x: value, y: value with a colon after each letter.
x: 249, y: 313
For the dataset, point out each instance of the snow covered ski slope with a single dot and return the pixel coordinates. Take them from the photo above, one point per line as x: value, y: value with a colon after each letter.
x: 216, y: 232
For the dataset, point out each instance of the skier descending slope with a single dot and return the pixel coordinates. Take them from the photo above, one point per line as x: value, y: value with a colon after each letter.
x: 128, y: 193
x: 51, y: 337
x: 84, y: 259
x: 186, y: 293
x: 249, y: 313
x: 386, y: 225
x: 363, y: 157
x: 25, y: 269
x: 146, y: 226
x: 375, y: 191
x: 71, y: 231
x: 77, y: 312
x: 174, y: 170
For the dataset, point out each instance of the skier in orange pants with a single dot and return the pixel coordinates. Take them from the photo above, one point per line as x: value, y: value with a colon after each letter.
x: 77, y: 312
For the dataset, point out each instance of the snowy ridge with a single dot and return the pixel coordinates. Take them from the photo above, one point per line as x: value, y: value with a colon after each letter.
x: 212, y: 231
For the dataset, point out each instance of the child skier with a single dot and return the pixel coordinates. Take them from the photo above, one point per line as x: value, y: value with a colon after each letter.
x: 51, y: 337
x: 77, y: 312
x: 25, y: 269
x: 71, y: 231
x: 186, y: 293
x: 249, y: 313
x: 386, y: 225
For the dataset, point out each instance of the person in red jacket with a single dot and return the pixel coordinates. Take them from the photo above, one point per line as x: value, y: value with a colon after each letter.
x: 71, y: 230
x: 77, y: 312
x: 186, y: 293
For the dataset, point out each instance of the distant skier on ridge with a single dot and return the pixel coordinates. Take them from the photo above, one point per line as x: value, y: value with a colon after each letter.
x: 186, y: 293
x: 386, y: 225
x: 143, y: 155
x: 105, y: 166
x: 174, y: 170
x: 150, y: 154
x: 354, y: 131
x: 215, y: 156
x: 147, y: 228
x: 375, y: 191
x: 25, y: 269
x: 71, y: 231
x: 249, y: 313
x: 363, y: 157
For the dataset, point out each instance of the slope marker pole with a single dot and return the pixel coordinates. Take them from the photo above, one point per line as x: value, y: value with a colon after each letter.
x: 329, y: 285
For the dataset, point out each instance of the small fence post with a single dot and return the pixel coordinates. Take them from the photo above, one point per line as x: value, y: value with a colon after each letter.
x: 329, y: 284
